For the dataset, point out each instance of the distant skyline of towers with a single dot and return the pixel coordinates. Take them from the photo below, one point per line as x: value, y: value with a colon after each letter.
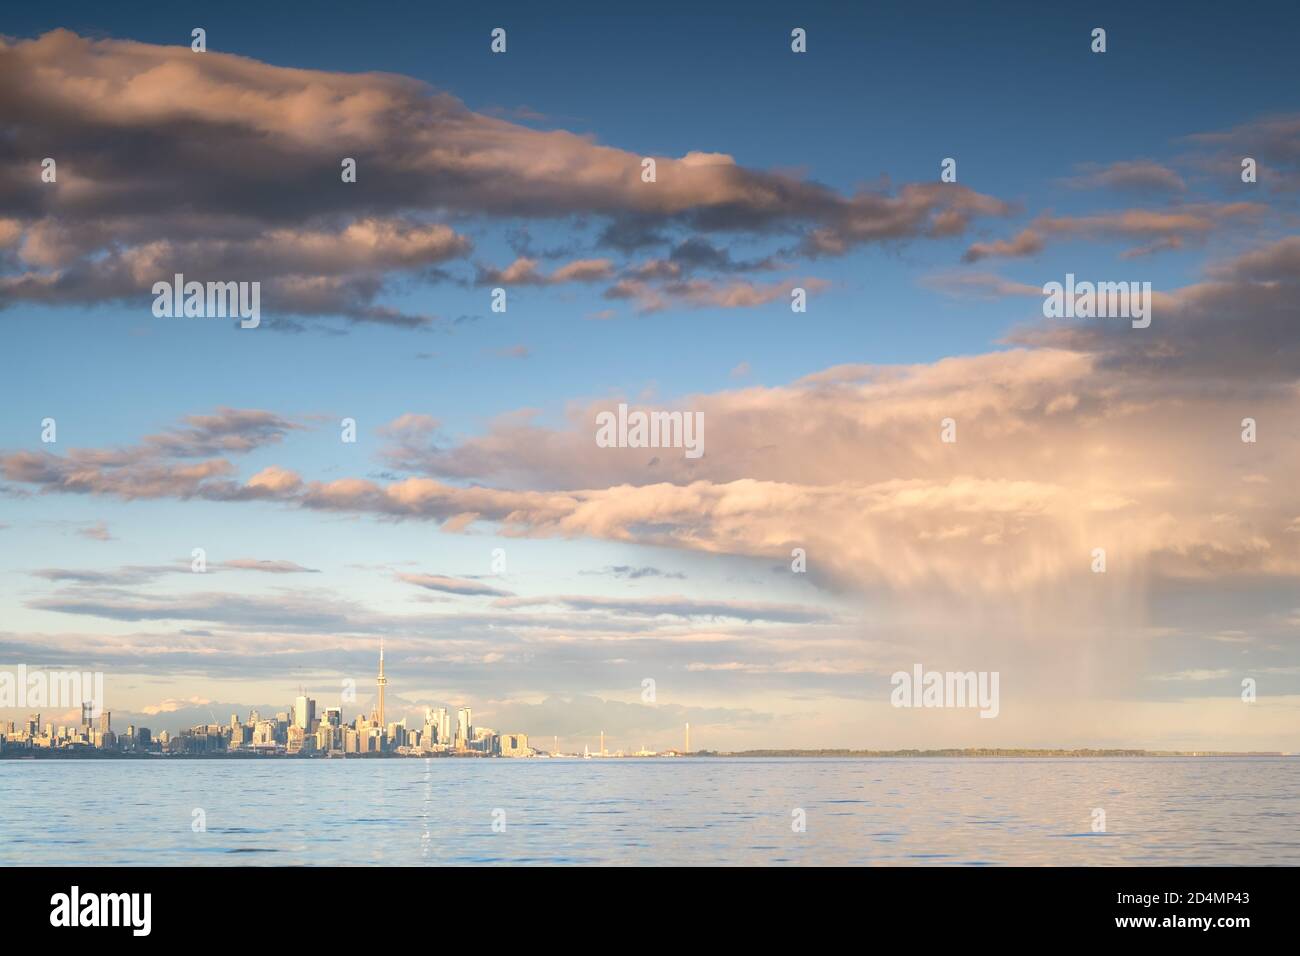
x: 328, y: 731
x: 306, y: 728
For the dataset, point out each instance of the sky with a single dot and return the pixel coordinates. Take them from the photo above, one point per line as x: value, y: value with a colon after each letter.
x: 510, y: 563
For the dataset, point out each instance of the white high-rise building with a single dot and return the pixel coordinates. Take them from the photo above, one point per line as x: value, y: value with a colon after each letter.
x: 444, y: 726
x: 464, y: 728
x: 304, y: 712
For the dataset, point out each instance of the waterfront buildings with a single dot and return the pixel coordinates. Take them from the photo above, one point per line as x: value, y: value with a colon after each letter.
x: 298, y: 731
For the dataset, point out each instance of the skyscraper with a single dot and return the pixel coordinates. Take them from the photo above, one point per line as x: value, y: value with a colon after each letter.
x: 464, y: 728
x: 304, y: 712
x: 444, y: 726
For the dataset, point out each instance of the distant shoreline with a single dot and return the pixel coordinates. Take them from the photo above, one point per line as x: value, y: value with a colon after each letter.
x: 1005, y: 752
x: 875, y: 754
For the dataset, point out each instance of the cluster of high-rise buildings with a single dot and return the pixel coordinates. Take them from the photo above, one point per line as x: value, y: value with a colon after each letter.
x: 94, y: 733
x: 300, y: 730
x: 296, y: 731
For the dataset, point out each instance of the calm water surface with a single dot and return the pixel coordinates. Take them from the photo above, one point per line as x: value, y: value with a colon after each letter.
x: 968, y: 812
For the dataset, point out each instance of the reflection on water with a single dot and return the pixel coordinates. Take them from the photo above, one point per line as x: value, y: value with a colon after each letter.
x: 970, y: 812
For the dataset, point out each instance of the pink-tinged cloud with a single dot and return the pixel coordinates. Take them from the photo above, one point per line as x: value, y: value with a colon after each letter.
x: 1157, y: 229
x: 1137, y: 175
x: 709, y: 294
x: 1056, y: 454
x: 120, y: 218
x: 525, y: 271
x: 1025, y: 243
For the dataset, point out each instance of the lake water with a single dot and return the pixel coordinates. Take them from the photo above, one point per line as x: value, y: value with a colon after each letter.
x: 927, y: 811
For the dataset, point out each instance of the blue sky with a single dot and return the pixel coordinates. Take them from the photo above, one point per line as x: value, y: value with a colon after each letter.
x: 1035, y: 121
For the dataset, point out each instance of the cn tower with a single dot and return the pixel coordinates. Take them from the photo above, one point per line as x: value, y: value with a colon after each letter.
x: 381, y: 680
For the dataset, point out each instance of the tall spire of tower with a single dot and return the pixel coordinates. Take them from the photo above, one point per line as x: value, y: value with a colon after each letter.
x: 381, y: 680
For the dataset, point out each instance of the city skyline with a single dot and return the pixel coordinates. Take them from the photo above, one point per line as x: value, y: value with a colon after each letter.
x: 654, y: 369
x: 294, y: 732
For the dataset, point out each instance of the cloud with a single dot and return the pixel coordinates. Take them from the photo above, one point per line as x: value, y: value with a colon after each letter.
x: 524, y: 271
x: 410, y: 425
x: 96, y: 532
x: 1275, y: 262
x: 1193, y: 675
x: 158, y: 466
x: 1026, y: 243
x: 79, y: 576
x: 977, y: 285
x: 1191, y: 218
x: 135, y: 573
x: 272, y: 481
x: 914, y: 513
x: 286, y: 611
x: 1272, y: 141
x: 462, y: 586
x: 171, y: 705
x: 698, y: 254
x: 1157, y: 229
x: 675, y: 606
x: 1138, y: 175
x: 226, y: 431
x: 629, y: 572
x: 303, y: 271
x: 1238, y: 325
x: 1055, y: 454
x: 933, y: 210
x: 146, y: 188
x: 266, y: 567
x: 708, y: 294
